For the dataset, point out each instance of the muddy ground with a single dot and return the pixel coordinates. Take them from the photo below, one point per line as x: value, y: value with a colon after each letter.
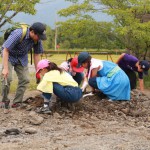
x: 92, y: 124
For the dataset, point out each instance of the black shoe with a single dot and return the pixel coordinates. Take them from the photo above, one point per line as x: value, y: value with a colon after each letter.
x: 44, y: 110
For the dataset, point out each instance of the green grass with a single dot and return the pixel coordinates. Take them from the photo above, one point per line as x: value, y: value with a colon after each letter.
x: 59, y: 58
x: 32, y: 85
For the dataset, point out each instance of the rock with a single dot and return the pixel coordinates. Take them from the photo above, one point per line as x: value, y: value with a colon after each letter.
x: 146, y: 104
x: 125, y: 110
x: 35, y: 119
x: 57, y: 116
x: 12, y: 131
x: 29, y: 108
x: 148, y: 118
x: 30, y: 130
x: 137, y: 113
x: 6, y: 111
x: 2, y: 134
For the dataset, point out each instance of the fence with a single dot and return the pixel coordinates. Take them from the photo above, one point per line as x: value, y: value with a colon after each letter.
x: 72, y: 54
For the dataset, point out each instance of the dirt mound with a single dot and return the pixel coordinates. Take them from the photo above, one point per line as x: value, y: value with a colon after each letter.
x: 138, y: 106
x: 92, y: 123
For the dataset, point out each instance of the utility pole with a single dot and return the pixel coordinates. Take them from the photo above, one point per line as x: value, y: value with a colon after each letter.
x: 55, y: 32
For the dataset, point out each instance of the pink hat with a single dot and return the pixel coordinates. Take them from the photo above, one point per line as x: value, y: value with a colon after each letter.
x: 74, y: 64
x: 42, y: 64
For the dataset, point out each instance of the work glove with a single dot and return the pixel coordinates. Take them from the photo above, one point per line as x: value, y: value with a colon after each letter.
x: 38, y: 78
x: 84, y: 86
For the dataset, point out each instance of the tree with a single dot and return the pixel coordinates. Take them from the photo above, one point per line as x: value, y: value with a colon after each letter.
x: 83, y: 31
x: 10, y: 8
x: 87, y: 33
x: 65, y: 44
x: 47, y: 44
x: 128, y: 23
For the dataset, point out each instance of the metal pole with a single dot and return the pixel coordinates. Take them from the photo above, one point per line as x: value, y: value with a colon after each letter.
x: 55, y: 38
x: 55, y: 32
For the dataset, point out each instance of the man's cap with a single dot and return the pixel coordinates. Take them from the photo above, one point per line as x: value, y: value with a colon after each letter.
x: 82, y: 57
x: 42, y: 64
x: 40, y: 30
x: 145, y: 65
x: 74, y: 64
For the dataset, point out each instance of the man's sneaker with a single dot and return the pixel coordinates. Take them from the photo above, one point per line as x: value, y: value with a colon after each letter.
x: 44, y: 110
x: 5, y: 104
x: 16, y: 105
x: 2, y: 104
x: 19, y: 105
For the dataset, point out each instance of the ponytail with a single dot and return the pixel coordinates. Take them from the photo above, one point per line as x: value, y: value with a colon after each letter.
x: 53, y: 66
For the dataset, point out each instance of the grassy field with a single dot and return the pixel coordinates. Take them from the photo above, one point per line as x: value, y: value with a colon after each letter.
x: 58, y: 59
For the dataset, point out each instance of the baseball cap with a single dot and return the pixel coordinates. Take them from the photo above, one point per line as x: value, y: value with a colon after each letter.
x: 74, y: 64
x: 145, y: 65
x: 42, y: 64
x: 40, y: 29
x: 82, y: 57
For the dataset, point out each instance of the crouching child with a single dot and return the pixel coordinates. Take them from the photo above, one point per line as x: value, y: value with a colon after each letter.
x: 55, y: 80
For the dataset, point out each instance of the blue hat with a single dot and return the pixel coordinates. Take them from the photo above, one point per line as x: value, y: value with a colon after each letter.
x: 145, y: 65
x: 40, y: 29
x: 82, y: 57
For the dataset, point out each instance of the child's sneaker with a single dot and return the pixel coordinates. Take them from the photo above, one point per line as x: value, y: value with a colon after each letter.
x: 44, y: 110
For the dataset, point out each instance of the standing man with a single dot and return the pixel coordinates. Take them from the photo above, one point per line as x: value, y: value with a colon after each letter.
x: 15, y: 56
x: 130, y: 64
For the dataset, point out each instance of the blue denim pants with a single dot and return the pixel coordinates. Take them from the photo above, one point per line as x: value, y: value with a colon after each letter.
x: 78, y: 77
x: 93, y: 83
x: 65, y: 93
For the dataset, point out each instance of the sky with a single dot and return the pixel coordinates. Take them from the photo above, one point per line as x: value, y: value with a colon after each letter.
x: 47, y: 10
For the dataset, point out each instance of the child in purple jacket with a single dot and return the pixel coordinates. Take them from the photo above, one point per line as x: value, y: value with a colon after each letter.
x: 130, y: 64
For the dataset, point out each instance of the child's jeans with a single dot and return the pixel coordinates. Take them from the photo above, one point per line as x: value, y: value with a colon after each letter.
x: 65, y: 93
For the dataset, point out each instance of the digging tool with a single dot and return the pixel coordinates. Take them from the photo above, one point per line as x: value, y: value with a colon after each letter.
x: 5, y: 93
x: 6, y: 82
x: 88, y: 94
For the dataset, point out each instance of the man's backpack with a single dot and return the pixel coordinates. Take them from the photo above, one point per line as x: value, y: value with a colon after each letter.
x: 23, y: 26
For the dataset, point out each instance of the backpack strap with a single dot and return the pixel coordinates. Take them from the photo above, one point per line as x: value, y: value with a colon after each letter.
x: 24, y: 31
